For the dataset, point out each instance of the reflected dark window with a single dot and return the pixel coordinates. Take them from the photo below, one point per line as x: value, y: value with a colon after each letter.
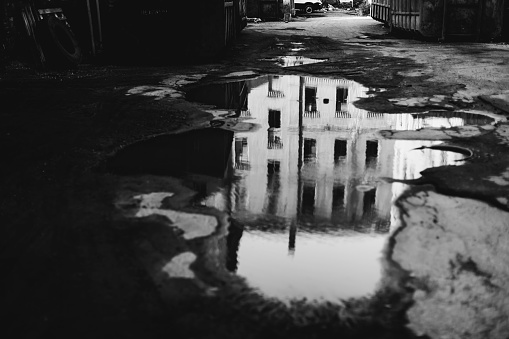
x: 241, y: 154
x: 273, y: 186
x: 371, y: 152
x: 274, y: 139
x: 274, y: 134
x: 341, y: 99
x: 339, y: 149
x: 368, y: 208
x: 308, y: 199
x: 310, y: 99
x: 274, y: 118
x: 273, y: 167
x: 338, y: 197
x: 309, y: 150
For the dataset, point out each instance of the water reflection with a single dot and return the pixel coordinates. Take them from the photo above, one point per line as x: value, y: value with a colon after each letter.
x: 307, y: 188
x: 294, y: 60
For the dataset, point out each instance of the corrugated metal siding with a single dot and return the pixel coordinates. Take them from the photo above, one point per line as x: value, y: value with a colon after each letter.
x: 381, y: 10
x: 405, y: 14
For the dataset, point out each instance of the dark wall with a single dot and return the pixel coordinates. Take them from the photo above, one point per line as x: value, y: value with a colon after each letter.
x: 162, y: 29
x: 253, y: 8
x: 3, y: 37
x: 431, y: 18
x: 158, y: 30
x: 492, y: 19
x: 462, y: 17
x: 505, y: 23
x: 132, y: 30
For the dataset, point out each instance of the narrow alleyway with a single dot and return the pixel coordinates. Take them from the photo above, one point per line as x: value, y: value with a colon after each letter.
x: 323, y: 179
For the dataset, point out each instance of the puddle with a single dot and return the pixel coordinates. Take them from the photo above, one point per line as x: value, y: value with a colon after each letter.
x: 305, y: 186
x: 293, y: 60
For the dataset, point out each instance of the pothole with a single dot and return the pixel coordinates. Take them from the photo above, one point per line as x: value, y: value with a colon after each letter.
x: 304, y: 188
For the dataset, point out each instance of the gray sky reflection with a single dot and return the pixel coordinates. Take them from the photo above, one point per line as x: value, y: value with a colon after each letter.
x: 322, y: 267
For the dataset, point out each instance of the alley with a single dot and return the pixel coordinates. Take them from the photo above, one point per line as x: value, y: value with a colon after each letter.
x: 324, y: 178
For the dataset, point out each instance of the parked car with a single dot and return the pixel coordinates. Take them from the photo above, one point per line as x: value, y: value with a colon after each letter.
x: 307, y: 6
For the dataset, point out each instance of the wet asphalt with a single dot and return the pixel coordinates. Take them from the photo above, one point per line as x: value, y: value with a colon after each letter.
x: 78, y: 261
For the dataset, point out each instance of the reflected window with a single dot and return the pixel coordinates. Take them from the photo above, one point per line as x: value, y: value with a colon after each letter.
x: 308, y: 199
x: 341, y: 99
x: 274, y: 139
x: 273, y: 167
x: 368, y: 207
x: 273, y: 185
x: 241, y: 154
x: 310, y: 99
x: 371, y: 152
x: 339, y: 149
x: 338, y: 197
x: 274, y: 118
x: 372, y: 148
x: 309, y: 150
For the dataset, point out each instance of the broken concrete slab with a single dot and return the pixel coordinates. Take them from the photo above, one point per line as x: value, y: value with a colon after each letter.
x: 456, y: 249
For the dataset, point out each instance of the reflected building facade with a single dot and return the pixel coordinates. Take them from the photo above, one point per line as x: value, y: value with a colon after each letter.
x: 306, y: 185
x: 317, y: 154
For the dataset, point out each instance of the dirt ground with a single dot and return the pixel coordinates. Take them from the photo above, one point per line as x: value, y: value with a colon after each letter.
x: 76, y: 263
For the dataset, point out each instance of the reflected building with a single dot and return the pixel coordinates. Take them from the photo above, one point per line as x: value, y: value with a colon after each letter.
x: 306, y: 185
x: 310, y: 215
x: 315, y: 147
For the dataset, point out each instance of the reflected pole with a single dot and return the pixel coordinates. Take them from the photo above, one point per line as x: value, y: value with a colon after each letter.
x: 293, y: 226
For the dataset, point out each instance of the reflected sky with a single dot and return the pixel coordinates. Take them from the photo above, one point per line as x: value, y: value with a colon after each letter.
x: 306, y: 186
x: 323, y: 266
